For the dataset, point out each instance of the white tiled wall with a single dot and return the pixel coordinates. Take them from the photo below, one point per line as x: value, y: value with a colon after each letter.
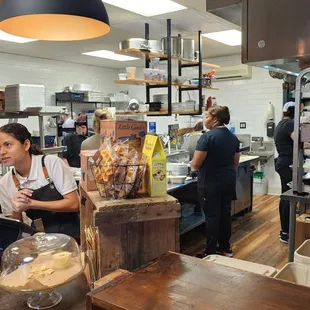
x: 247, y: 100
x: 54, y: 75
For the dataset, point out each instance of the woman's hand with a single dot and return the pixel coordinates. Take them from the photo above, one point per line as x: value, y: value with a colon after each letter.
x: 22, y: 200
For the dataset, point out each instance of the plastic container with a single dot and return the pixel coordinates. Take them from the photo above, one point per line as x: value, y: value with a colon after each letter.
x: 122, y: 76
x: 162, y: 74
x: 155, y: 61
x: 242, y: 265
x: 131, y: 73
x: 156, y: 75
x: 302, y: 254
x: 148, y: 74
x: 260, y: 186
x: 295, y: 273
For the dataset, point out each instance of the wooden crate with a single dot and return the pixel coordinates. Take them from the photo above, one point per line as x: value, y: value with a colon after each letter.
x: 131, y: 232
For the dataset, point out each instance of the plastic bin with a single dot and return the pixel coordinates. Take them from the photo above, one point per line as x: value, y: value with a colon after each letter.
x: 260, y: 186
x: 302, y: 254
x: 295, y: 273
x: 242, y: 265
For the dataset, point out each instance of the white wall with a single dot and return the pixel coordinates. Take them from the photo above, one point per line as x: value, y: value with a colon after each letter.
x: 54, y: 75
x: 248, y: 102
x: 247, y: 99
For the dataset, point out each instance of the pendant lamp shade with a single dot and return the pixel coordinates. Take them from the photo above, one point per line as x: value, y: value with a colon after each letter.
x: 54, y: 20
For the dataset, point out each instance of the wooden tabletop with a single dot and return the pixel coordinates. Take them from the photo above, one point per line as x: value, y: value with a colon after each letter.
x: 104, y: 205
x: 182, y: 282
x: 74, y: 297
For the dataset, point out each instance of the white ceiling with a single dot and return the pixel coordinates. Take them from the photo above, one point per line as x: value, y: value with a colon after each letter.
x: 124, y: 25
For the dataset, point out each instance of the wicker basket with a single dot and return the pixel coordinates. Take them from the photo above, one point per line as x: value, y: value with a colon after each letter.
x: 119, y: 181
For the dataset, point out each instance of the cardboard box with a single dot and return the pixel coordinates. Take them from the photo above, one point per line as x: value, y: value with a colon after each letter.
x: 302, y: 229
x: 134, y: 131
x: 87, y: 178
x: 156, y: 173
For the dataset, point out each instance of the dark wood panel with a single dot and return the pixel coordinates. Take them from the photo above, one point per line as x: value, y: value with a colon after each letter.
x: 283, y: 25
x: 183, y: 282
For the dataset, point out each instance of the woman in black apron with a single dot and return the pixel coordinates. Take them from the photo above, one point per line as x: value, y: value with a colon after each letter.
x: 217, y: 158
x: 59, y: 212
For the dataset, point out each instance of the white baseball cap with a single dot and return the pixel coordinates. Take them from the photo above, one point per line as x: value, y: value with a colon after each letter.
x: 288, y: 105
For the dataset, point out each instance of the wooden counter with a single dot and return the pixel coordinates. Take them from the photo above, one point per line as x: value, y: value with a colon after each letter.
x: 132, y: 232
x: 182, y: 282
x: 74, y: 297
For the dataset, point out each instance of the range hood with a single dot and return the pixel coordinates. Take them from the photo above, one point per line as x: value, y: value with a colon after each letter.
x: 275, y: 33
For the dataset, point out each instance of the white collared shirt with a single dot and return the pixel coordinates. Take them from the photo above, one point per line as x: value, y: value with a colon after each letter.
x: 58, y: 172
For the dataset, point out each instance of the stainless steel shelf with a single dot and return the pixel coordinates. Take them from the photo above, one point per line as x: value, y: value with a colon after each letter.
x: 12, y: 115
x: 54, y: 150
x: 192, y: 222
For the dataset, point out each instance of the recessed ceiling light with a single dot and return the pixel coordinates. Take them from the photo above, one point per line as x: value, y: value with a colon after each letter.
x: 229, y: 37
x: 110, y: 55
x: 8, y: 37
x: 147, y: 7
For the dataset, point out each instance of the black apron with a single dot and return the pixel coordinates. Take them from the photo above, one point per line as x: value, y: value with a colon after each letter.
x: 54, y: 222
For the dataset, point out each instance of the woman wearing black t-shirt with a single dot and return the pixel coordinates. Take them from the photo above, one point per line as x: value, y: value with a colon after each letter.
x: 217, y: 158
x: 284, y: 145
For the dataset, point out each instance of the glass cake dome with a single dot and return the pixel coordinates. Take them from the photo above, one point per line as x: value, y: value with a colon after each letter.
x: 40, y: 264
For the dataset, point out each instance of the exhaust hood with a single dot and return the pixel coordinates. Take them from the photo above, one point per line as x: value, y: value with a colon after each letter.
x: 275, y: 33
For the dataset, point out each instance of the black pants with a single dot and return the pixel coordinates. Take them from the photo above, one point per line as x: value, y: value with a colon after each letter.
x: 217, y: 201
x: 286, y: 176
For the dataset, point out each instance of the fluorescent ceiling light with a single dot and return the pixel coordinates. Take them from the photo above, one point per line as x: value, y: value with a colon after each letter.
x: 110, y: 55
x: 147, y: 7
x: 8, y: 37
x: 229, y: 37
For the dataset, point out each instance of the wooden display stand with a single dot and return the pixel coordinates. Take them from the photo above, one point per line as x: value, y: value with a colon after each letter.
x: 131, y: 232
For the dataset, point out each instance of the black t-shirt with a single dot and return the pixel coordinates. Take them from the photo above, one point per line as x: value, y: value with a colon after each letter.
x: 221, y: 146
x: 73, y: 143
x: 284, y: 142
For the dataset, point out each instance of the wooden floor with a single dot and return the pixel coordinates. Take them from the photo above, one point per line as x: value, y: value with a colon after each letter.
x: 255, y: 235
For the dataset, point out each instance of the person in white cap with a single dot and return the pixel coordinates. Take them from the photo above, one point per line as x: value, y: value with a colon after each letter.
x: 68, y: 122
x: 284, y: 144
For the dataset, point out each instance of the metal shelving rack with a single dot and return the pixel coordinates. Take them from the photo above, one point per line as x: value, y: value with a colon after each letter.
x: 14, y: 116
x: 299, y: 193
x: 182, y: 65
x: 169, y: 68
x: 71, y: 102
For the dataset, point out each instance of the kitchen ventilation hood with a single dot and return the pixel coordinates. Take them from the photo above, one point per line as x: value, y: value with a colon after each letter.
x: 275, y: 33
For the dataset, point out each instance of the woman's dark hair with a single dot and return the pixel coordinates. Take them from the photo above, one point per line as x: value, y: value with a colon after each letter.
x: 198, y: 126
x: 21, y: 133
x: 221, y: 114
x: 290, y: 113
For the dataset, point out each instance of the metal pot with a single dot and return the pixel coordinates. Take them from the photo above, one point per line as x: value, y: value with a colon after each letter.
x: 155, y: 46
x: 137, y: 43
x: 160, y: 98
x: 176, y: 46
x: 188, y: 49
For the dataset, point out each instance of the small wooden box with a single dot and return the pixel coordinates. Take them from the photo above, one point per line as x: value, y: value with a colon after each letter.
x: 134, y: 131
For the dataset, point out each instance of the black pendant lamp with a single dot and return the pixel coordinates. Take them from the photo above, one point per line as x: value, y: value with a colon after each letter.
x: 54, y: 20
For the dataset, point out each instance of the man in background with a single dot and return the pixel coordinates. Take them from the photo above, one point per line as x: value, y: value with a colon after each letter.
x: 73, y: 142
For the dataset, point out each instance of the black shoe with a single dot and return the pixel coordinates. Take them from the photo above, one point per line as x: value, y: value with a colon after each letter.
x: 202, y: 255
x: 225, y: 252
x: 284, y: 237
